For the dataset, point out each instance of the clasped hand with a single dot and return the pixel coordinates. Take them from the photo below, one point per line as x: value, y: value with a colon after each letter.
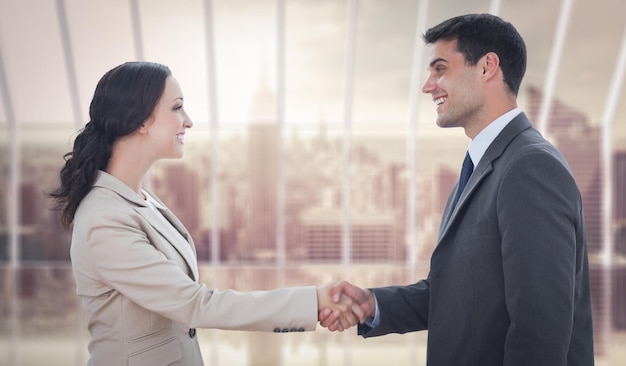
x: 342, y: 305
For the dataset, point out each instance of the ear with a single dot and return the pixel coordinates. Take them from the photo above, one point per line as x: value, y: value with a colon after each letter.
x: 143, y: 129
x: 490, y: 64
x: 145, y: 126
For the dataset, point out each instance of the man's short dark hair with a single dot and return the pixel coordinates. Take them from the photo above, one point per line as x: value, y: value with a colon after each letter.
x: 478, y: 34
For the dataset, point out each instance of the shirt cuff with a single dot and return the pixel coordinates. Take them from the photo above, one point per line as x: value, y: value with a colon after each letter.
x: 375, y: 321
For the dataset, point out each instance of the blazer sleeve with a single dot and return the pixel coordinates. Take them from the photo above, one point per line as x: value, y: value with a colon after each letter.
x: 112, y: 247
x: 539, y: 211
x: 402, y: 309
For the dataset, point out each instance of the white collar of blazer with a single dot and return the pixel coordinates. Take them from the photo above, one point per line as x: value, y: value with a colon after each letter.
x: 172, y: 233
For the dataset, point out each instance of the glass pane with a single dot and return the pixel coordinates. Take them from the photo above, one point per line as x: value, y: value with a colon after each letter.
x: 314, y: 213
x: 33, y: 60
x: 378, y: 196
x: 41, y: 236
x: 49, y: 318
x: 4, y: 189
x: 314, y: 57
x: 101, y: 35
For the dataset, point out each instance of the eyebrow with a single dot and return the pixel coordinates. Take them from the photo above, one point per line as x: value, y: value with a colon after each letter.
x: 433, y: 62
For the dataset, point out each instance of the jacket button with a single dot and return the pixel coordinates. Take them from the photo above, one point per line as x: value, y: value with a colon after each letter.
x: 277, y: 330
x: 285, y: 330
x: 192, y: 332
x: 300, y: 329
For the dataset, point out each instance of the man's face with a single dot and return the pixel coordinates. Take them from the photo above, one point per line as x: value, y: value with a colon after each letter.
x: 454, y: 86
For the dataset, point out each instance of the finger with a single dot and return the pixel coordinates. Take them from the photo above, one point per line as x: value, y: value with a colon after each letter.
x: 336, y: 290
x: 325, y: 322
x: 328, y: 317
x: 358, y: 312
x: 334, y: 326
x: 323, y: 314
x: 345, y: 324
x: 347, y: 318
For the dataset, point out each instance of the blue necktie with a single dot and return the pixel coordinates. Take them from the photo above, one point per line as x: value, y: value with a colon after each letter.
x: 466, y: 172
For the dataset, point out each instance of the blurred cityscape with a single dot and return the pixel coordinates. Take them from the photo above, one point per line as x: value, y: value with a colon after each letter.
x: 249, y: 174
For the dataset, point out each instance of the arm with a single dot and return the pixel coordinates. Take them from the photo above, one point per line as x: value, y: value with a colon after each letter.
x: 402, y: 309
x: 112, y: 251
x: 538, y: 207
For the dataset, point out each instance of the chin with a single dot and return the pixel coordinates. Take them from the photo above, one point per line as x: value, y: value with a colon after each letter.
x: 445, y: 123
x: 177, y: 155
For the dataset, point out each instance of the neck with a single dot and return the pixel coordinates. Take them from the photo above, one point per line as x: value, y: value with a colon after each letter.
x: 128, y: 165
x: 490, y: 114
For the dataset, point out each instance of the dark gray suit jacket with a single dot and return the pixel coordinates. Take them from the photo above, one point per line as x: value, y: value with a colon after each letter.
x: 509, y: 278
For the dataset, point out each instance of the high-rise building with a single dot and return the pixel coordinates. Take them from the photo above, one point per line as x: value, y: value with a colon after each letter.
x: 178, y: 186
x: 373, y: 236
x: 4, y: 213
x: 619, y: 201
x: 262, y: 178
x: 619, y: 227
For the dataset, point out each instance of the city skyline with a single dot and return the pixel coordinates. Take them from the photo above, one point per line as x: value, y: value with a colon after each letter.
x: 315, y: 248
x: 278, y: 91
x: 381, y: 153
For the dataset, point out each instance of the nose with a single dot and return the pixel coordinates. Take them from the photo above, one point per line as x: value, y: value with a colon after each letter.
x: 429, y: 85
x: 188, y: 123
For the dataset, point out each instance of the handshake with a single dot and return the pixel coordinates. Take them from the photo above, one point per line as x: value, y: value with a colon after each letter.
x: 341, y: 305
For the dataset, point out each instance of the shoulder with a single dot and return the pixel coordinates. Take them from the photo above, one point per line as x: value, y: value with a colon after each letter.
x: 533, y: 167
x: 102, y: 200
x: 103, y: 207
x: 531, y: 148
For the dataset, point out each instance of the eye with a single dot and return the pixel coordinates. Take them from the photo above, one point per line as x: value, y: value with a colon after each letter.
x: 178, y: 106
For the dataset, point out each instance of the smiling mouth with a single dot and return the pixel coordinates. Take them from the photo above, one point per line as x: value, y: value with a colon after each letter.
x: 439, y: 101
x: 180, y: 137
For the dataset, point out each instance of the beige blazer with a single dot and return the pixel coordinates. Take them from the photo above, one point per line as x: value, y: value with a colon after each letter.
x: 138, y: 281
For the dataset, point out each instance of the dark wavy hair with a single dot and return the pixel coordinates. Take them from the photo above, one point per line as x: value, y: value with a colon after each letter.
x: 124, y: 99
x: 478, y: 34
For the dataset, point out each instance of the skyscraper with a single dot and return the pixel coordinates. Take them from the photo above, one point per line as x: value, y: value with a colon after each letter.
x: 619, y: 227
x: 262, y: 170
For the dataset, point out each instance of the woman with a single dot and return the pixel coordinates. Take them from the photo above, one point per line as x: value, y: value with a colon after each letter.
x: 133, y: 261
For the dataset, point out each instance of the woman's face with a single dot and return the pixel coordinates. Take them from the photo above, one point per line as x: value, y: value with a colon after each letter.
x: 166, y: 128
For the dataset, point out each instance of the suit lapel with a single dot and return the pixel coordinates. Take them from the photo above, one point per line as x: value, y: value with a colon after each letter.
x: 186, y: 249
x: 484, y: 168
x: 171, y: 234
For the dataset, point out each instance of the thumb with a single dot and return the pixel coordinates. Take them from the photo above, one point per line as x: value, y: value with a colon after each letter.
x: 336, y: 291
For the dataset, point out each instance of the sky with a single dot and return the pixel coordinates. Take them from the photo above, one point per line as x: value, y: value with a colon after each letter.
x: 40, y: 86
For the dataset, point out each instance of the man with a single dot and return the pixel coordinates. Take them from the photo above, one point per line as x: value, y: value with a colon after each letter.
x: 509, y: 278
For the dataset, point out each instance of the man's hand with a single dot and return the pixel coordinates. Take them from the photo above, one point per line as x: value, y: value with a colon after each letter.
x: 336, y: 310
x: 362, y: 305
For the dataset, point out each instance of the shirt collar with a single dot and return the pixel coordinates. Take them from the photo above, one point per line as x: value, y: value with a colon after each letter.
x: 151, y: 200
x: 478, y: 146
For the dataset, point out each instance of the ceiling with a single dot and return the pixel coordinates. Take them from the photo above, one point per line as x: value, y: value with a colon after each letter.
x: 52, y: 54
